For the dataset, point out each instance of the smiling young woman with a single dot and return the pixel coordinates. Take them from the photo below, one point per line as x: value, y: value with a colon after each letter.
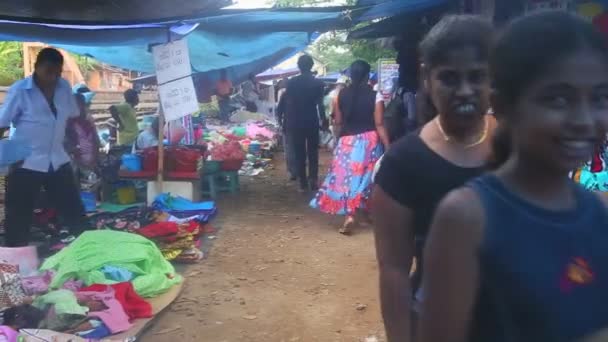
x: 520, y: 254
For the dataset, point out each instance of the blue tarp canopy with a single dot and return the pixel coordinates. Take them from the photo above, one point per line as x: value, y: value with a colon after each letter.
x: 279, y: 20
x: 378, y: 9
x: 98, y: 35
x: 276, y: 74
x: 242, y: 41
x: 208, y: 51
x: 222, y: 22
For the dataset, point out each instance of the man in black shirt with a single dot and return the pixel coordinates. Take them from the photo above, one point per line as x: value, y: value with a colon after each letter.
x: 303, y: 112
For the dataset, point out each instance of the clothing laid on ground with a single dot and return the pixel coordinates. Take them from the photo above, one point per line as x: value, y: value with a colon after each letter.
x: 8, y: 334
x: 64, y: 302
x: 84, y: 258
x: 114, y: 316
x: 543, y: 273
x: 23, y: 187
x: 347, y: 186
x: 129, y: 130
x: 418, y: 178
x: 135, y: 306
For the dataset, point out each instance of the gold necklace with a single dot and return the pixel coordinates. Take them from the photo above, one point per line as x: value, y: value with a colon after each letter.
x: 482, y: 138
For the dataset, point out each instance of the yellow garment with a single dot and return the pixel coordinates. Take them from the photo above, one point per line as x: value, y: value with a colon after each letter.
x: 128, y: 130
x: 590, y: 10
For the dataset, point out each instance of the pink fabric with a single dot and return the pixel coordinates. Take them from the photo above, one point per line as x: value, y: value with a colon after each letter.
x: 40, y: 284
x: 132, y: 303
x: 11, y: 335
x: 254, y: 130
x: 114, y: 317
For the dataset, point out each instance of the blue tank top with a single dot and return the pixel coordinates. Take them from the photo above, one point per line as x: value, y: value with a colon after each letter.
x: 543, y: 273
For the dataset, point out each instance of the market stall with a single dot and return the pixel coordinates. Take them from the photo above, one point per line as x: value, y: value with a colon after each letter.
x: 111, y: 281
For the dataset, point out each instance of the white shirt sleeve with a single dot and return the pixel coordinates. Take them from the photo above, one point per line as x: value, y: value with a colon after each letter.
x: 11, y: 108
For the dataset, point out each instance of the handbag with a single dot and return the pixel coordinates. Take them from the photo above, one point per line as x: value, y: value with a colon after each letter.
x: 11, y: 292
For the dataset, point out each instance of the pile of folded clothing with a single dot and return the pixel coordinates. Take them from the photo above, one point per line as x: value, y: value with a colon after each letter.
x: 92, y: 289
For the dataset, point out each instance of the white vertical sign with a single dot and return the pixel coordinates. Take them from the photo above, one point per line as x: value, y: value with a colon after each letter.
x: 178, y: 98
x: 176, y: 88
x: 171, y: 61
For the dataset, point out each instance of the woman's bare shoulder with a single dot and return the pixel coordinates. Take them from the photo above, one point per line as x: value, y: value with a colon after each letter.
x: 461, y: 214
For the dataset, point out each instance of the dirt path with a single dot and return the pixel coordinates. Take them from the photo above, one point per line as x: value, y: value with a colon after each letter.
x: 277, y: 272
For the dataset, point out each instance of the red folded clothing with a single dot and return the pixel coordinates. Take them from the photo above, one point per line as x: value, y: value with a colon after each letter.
x: 168, y: 231
x: 159, y: 229
x: 135, y: 306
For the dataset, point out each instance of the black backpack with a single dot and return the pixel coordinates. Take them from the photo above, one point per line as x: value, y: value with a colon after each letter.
x: 394, y: 117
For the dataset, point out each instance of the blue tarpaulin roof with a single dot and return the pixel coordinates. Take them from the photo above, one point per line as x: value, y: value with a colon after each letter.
x: 208, y: 51
x: 225, y: 22
x: 275, y: 74
x: 388, y: 8
x: 226, y: 39
x: 275, y: 21
x: 107, y: 35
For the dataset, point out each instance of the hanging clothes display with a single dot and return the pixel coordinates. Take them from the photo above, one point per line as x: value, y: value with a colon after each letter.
x: 594, y: 174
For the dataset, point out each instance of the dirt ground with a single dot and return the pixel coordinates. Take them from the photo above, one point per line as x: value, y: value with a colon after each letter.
x: 278, y: 271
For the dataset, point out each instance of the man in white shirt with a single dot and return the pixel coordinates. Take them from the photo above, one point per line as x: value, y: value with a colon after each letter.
x: 39, y: 107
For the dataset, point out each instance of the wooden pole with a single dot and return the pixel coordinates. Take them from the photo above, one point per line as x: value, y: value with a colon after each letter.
x: 161, y: 149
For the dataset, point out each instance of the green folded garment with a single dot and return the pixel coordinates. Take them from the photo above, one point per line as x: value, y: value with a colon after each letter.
x: 85, y: 257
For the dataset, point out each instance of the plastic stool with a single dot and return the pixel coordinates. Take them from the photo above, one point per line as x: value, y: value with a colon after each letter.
x: 228, y: 181
x: 209, y: 186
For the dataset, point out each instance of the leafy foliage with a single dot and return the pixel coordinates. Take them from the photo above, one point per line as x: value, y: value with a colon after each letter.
x: 85, y: 64
x: 11, y: 62
x: 333, y: 49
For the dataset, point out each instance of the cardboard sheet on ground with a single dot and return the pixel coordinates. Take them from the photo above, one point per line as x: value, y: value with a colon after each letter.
x: 159, y: 304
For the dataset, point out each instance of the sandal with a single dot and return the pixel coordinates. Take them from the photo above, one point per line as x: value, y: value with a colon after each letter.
x: 348, y: 225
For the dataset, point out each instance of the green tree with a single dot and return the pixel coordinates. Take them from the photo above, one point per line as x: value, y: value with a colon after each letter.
x: 333, y: 49
x: 85, y: 64
x: 11, y: 62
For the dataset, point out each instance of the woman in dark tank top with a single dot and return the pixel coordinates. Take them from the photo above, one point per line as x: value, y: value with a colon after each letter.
x: 521, y: 254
